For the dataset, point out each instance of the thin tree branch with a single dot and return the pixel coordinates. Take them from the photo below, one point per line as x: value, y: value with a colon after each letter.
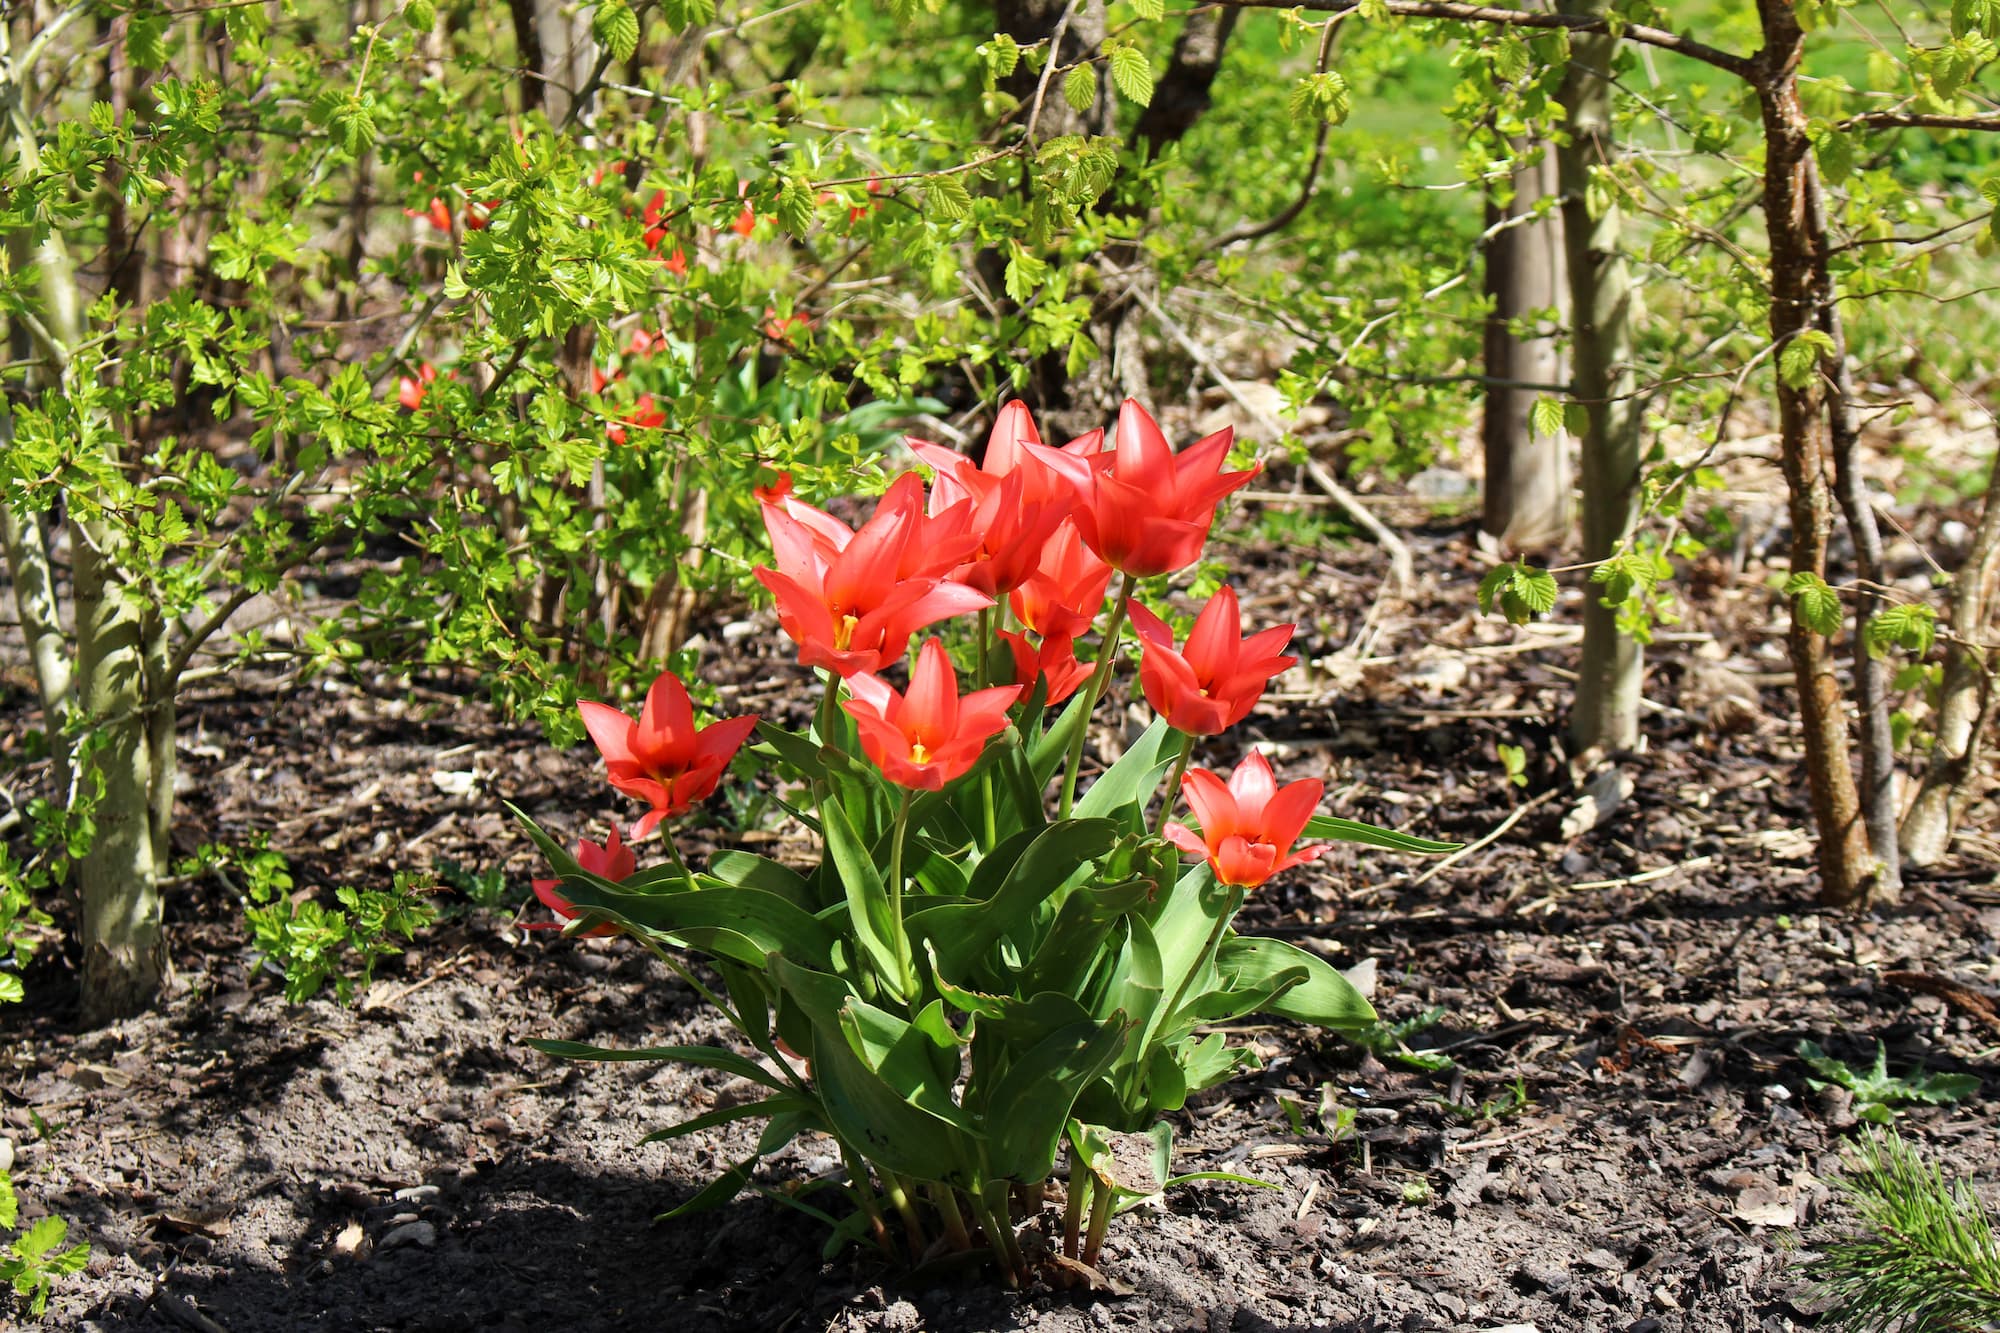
x: 1739, y: 65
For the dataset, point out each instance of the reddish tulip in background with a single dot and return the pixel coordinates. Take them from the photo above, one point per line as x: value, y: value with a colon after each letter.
x: 839, y: 594
x: 613, y: 861
x: 1147, y: 511
x: 1249, y: 825
x: 1212, y: 682
x: 929, y: 736
x: 1065, y: 593
x: 1054, y: 658
x: 1016, y: 501
x: 663, y: 758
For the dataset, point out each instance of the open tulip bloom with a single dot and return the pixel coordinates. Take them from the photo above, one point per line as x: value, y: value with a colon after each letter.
x: 965, y: 980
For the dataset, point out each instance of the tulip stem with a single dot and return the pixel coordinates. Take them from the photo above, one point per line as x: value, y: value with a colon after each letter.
x: 864, y: 1195
x: 907, y: 981
x: 1005, y: 1245
x: 1099, y: 679
x: 1079, y: 1182
x: 828, y: 703
x: 1174, y: 784
x: 1101, y: 1202
x: 913, y: 1223
x: 946, y: 1199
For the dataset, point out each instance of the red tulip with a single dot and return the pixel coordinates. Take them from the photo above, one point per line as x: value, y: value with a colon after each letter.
x: 929, y: 736
x: 599, y: 380
x: 677, y: 263
x: 663, y: 758
x: 1211, y: 683
x: 1147, y: 511
x: 776, y: 491
x: 1017, y: 502
x: 1248, y: 826
x: 1055, y: 658
x: 1062, y: 598
x: 479, y: 216
x: 839, y: 591
x: 614, y: 169
x: 410, y: 389
x: 613, y: 861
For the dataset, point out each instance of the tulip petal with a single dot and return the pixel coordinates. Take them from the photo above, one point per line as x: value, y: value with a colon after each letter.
x: 610, y: 730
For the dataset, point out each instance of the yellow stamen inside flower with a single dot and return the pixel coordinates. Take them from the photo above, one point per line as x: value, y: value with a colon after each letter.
x: 843, y: 633
x: 918, y: 754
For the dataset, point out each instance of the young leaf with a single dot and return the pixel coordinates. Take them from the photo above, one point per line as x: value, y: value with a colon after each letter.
x: 616, y: 27
x: 1080, y: 87
x: 1133, y: 74
x: 1799, y: 361
x: 947, y: 196
x: 1815, y: 604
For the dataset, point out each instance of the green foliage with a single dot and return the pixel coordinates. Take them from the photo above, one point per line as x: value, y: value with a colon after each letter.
x: 35, y: 1259
x: 1876, y: 1092
x: 1923, y: 1255
x: 1391, y: 1041
x: 309, y: 944
x: 1518, y: 590
x: 1816, y: 605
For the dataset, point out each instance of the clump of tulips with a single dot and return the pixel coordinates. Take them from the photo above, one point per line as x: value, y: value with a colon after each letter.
x: 986, y: 963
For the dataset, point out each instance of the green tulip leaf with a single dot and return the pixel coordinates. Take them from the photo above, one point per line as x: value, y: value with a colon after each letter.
x: 868, y: 907
x: 746, y: 870
x: 1325, y: 997
x: 964, y: 933
x: 1125, y: 787
x: 1326, y: 828
x: 1026, y: 1110
x: 728, y: 1115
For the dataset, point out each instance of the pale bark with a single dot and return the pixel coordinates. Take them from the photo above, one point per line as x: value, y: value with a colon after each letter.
x: 1527, y: 504
x: 1602, y: 296
x: 1964, y: 696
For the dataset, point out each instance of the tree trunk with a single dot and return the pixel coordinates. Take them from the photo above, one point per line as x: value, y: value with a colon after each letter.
x: 569, y: 54
x: 123, y: 955
x: 1880, y: 803
x: 1798, y: 292
x: 1602, y: 296
x: 1527, y: 475
x: 1964, y: 697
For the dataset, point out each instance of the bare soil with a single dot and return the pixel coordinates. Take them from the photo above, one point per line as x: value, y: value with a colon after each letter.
x: 1624, y: 1139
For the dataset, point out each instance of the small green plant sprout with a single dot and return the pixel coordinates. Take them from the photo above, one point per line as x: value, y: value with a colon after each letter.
x: 1876, y: 1093
x: 1334, y: 1118
x: 1511, y: 1102
x: 1922, y: 1256
x: 1514, y: 759
x: 33, y: 1260
x: 484, y: 889
x: 1391, y: 1041
x: 1417, y: 1191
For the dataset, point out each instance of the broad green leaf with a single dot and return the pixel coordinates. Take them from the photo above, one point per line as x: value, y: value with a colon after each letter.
x: 1325, y: 997
x: 963, y: 933
x: 947, y: 196
x: 1122, y: 791
x: 747, y: 870
x: 869, y: 912
x: 1025, y: 1111
x: 1798, y: 360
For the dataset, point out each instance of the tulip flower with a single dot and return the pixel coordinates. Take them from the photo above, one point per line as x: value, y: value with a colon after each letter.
x: 410, y: 389
x: 1054, y: 658
x: 663, y: 758
x: 1065, y: 593
x: 677, y: 263
x: 613, y: 861
x: 841, y: 594
x: 1248, y: 826
x: 1212, y: 682
x: 929, y: 736
x: 1017, y: 502
x: 1147, y: 511
x: 860, y: 211
x: 775, y: 325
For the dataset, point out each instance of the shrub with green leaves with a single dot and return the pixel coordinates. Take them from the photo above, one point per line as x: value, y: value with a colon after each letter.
x: 35, y: 1260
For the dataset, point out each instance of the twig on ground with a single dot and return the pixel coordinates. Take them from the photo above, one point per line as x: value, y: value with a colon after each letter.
x: 1499, y: 832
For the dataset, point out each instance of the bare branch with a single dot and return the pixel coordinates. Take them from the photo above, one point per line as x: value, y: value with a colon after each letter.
x: 1739, y: 65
